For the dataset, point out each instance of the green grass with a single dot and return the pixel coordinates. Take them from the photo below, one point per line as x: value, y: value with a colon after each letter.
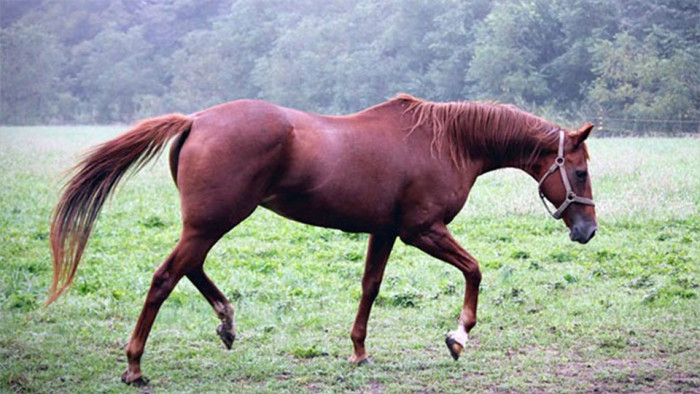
x: 619, y: 314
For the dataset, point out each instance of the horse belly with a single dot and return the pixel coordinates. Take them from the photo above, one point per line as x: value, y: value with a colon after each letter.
x: 343, y: 212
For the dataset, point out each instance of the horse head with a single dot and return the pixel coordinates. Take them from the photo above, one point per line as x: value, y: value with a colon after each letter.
x: 570, y: 190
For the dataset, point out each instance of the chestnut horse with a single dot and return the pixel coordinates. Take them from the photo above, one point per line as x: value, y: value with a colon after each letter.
x: 401, y: 169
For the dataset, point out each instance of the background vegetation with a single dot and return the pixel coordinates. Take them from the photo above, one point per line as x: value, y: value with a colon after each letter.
x: 100, y: 61
x: 620, y: 314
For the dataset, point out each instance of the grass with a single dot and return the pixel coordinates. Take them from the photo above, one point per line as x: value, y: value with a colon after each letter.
x: 619, y: 314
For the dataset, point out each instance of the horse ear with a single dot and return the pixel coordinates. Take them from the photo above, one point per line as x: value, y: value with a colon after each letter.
x: 582, y: 133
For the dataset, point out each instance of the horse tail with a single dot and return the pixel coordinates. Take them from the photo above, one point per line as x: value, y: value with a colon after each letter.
x: 93, y: 181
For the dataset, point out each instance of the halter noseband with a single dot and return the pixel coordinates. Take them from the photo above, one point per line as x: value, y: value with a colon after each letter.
x: 571, y: 197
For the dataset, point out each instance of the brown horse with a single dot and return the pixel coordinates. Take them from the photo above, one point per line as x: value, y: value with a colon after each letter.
x: 400, y: 169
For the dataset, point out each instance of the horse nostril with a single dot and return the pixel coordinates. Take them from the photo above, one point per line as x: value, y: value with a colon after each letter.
x: 592, y: 234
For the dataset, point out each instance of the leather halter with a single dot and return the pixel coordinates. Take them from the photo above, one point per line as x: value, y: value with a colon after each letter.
x: 571, y: 197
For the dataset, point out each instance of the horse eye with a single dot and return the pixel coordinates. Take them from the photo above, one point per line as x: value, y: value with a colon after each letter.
x: 581, y: 175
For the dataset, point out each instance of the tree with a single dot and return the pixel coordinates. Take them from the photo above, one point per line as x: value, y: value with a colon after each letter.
x: 216, y: 65
x: 642, y: 79
x: 452, y: 45
x: 583, y: 23
x: 513, y: 48
x: 117, y: 60
x: 116, y: 72
x: 30, y: 63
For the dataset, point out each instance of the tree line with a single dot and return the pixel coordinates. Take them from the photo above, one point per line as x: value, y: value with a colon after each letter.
x: 107, y: 61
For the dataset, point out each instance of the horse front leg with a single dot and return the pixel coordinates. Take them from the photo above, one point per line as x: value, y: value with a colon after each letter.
x: 222, y: 306
x: 377, y: 255
x: 189, y: 253
x: 438, y: 242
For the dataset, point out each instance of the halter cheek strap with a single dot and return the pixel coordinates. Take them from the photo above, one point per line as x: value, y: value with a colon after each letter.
x: 571, y: 197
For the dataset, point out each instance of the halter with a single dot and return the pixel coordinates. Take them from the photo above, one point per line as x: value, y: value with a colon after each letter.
x: 571, y: 197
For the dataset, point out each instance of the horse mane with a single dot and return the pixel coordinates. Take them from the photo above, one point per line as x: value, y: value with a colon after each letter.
x: 473, y: 129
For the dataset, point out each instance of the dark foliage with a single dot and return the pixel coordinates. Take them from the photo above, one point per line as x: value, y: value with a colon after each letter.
x: 87, y: 61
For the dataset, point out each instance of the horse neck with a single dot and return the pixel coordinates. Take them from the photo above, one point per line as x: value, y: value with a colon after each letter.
x: 518, y: 156
x: 492, y: 134
x: 510, y: 143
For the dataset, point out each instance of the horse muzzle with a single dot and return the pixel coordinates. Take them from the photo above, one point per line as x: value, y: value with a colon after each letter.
x: 582, y: 233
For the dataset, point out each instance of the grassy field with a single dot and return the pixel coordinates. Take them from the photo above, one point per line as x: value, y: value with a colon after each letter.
x: 619, y: 314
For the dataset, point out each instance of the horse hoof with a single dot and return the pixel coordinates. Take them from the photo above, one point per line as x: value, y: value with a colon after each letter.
x: 134, y: 380
x: 454, y: 347
x: 366, y: 360
x: 226, y: 336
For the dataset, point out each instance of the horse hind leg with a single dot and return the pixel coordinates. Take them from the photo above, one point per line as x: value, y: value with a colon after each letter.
x: 221, y: 178
x: 189, y: 253
x: 202, y: 229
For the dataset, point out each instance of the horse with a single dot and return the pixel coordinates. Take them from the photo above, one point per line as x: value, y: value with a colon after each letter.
x: 400, y: 169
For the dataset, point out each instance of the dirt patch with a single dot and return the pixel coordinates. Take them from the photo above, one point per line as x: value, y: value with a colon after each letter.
x: 18, y: 383
x: 629, y: 375
x: 374, y: 388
